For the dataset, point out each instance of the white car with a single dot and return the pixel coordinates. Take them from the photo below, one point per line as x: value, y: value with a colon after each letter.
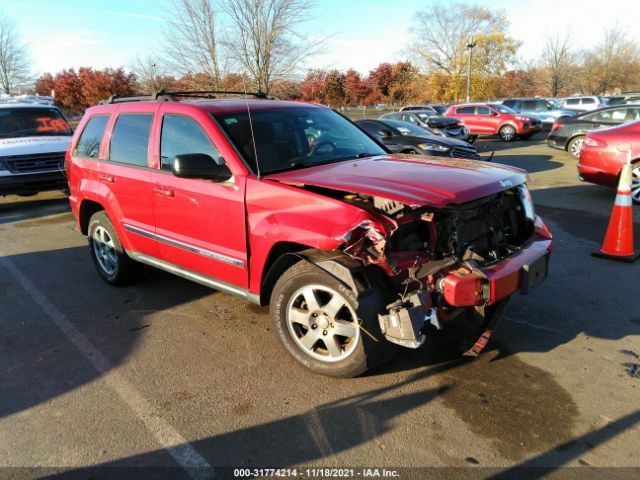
x: 590, y: 102
x: 33, y: 142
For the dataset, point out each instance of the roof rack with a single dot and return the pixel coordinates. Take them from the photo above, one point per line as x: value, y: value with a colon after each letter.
x: 163, y: 96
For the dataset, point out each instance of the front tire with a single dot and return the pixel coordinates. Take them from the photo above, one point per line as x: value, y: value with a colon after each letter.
x: 635, y: 184
x: 323, y: 327
x: 110, y: 259
x: 575, y: 146
x: 507, y: 133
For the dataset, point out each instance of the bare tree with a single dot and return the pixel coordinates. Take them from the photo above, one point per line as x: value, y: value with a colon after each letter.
x: 263, y: 40
x: 191, y: 39
x: 610, y: 64
x: 559, y: 63
x: 15, y: 61
x: 152, y: 75
x: 442, y: 32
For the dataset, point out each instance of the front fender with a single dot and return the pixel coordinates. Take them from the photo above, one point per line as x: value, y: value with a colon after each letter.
x: 279, y: 213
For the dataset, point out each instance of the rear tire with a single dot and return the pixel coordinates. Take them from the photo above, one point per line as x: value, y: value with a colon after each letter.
x: 110, y: 259
x: 323, y: 327
x: 507, y: 133
x: 575, y: 146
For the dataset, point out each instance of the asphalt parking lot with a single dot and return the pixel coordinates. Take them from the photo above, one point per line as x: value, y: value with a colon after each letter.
x: 168, y: 373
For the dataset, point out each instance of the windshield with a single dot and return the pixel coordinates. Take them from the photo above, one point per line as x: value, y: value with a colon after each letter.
x: 502, y: 108
x: 287, y: 138
x: 439, y: 109
x: 409, y: 129
x: 32, y: 122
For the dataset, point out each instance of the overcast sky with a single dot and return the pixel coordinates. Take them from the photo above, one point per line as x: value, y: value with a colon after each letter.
x: 358, y: 33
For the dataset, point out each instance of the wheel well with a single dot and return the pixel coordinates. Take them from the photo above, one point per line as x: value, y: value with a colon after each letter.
x: 87, y: 209
x: 277, y: 262
x: 566, y: 145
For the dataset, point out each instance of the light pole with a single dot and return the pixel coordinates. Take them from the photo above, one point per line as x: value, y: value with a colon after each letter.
x: 154, y: 76
x: 470, y: 46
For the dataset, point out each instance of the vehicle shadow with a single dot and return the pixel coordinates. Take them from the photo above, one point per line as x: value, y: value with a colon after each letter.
x: 40, y: 362
x: 32, y: 207
x: 492, y: 143
x: 530, y: 163
x: 544, y: 464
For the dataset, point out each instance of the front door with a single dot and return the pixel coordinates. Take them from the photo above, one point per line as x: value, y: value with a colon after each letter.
x: 200, y: 224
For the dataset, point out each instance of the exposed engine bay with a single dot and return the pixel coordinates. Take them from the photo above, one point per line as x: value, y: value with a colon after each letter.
x: 434, y: 257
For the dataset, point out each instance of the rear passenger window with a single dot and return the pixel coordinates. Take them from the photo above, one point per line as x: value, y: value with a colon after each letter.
x: 181, y: 135
x: 130, y: 139
x: 465, y: 110
x: 89, y: 142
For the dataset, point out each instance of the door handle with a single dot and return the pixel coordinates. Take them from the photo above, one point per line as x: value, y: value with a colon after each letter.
x: 164, y: 191
x: 107, y: 178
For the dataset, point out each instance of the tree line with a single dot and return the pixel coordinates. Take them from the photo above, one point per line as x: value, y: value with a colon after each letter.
x: 251, y: 45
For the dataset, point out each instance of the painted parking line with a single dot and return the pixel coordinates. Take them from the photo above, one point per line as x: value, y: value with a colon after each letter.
x: 182, y: 451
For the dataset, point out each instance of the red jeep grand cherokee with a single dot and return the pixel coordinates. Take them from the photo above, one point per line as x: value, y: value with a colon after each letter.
x: 493, y: 118
x: 292, y: 205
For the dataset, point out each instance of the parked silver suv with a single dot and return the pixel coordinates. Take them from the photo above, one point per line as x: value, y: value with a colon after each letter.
x: 590, y: 102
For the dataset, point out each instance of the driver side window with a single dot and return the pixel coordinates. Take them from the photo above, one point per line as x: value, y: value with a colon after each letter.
x: 182, y: 135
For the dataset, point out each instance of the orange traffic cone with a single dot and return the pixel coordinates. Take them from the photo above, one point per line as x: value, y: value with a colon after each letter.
x: 618, y: 242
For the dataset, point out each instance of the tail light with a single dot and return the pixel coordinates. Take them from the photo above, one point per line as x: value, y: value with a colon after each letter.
x: 556, y: 126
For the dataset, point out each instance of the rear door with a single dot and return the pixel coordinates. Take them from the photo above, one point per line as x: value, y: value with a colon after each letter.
x: 488, y: 121
x: 200, y: 224
x: 468, y: 116
x: 126, y: 174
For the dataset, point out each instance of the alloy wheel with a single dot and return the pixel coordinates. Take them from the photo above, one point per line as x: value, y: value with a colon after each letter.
x: 322, y: 323
x: 576, y: 147
x: 507, y: 133
x: 104, y: 250
x: 635, y: 185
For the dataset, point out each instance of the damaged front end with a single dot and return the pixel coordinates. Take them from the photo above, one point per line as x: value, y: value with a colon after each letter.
x: 441, y: 262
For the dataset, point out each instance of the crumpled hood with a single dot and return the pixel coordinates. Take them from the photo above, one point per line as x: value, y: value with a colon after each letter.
x: 33, y: 145
x: 410, y: 179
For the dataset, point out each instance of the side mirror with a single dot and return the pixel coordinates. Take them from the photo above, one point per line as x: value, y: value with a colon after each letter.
x: 494, y: 113
x: 200, y: 165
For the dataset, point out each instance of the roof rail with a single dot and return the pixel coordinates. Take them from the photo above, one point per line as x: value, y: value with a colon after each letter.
x: 213, y: 93
x: 163, y: 96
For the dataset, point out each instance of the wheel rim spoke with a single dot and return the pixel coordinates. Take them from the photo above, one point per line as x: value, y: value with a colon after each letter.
x: 333, y: 346
x: 310, y: 299
x: 344, y: 329
x: 297, y: 315
x: 334, y: 306
x: 309, y: 340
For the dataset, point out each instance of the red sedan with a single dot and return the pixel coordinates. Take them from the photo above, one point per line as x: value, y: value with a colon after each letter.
x: 605, y: 152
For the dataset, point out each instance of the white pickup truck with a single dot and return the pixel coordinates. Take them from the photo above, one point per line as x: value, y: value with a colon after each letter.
x: 33, y: 142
